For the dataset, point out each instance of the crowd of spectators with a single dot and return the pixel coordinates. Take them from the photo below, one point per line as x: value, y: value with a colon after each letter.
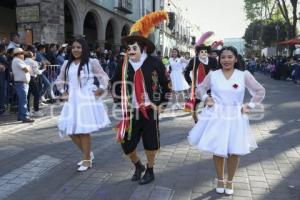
x: 278, y: 68
x: 30, y: 70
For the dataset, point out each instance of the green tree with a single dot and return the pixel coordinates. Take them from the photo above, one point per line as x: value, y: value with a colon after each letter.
x: 259, y: 9
x: 291, y: 20
x: 273, y: 32
x: 265, y: 33
x: 253, y: 32
x: 269, y: 10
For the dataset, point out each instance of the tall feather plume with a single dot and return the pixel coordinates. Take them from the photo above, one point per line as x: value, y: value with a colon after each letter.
x: 146, y: 24
x: 204, y: 37
x: 215, y: 44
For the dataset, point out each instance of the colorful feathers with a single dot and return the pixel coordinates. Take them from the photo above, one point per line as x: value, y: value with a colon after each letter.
x: 204, y: 37
x: 146, y: 24
x: 215, y: 44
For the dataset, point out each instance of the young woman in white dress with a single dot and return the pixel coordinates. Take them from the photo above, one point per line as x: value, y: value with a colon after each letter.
x: 223, y: 127
x: 177, y: 66
x: 83, y: 112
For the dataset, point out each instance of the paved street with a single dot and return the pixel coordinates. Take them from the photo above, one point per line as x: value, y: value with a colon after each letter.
x: 36, y: 164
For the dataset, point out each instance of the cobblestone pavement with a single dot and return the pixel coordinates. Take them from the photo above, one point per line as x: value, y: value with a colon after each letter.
x: 36, y: 164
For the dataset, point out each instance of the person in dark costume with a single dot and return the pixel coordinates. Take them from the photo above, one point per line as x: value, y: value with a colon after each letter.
x: 144, y: 91
x: 200, y: 65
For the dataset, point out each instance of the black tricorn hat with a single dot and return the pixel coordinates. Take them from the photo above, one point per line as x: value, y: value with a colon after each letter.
x: 200, y: 47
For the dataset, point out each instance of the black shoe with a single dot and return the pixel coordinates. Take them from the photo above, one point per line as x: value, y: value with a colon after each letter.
x: 27, y: 120
x: 2, y: 111
x: 139, y: 169
x: 148, y: 176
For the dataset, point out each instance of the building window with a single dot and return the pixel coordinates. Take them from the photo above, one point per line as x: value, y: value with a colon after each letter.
x: 124, y: 6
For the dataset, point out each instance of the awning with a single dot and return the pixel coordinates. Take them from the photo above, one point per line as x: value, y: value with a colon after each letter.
x: 290, y: 42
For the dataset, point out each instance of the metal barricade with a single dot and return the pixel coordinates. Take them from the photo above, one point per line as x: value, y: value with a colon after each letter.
x: 51, y: 72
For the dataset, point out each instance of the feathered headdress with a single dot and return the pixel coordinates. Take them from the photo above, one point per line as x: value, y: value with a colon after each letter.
x: 204, y: 37
x: 216, y: 44
x: 200, y: 42
x: 143, y: 27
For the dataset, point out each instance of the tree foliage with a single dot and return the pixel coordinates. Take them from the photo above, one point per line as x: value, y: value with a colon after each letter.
x: 265, y: 33
x: 290, y: 15
x: 259, y: 9
x: 273, y: 32
x: 274, y: 10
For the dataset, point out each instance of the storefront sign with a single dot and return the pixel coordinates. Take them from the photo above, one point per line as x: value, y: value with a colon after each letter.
x: 28, y: 14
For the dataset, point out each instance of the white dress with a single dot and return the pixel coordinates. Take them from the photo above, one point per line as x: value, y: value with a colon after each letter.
x: 222, y: 129
x: 177, y: 78
x: 83, y: 113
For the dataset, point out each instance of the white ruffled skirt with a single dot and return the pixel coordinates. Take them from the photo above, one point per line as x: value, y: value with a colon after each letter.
x: 178, y: 81
x: 83, y: 113
x: 222, y: 131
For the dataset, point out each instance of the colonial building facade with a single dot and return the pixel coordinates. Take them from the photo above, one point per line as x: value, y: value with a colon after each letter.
x: 178, y: 33
x: 57, y: 21
x: 102, y: 22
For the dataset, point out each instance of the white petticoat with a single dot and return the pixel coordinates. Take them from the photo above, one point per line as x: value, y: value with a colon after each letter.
x: 222, y: 131
x: 178, y: 81
x: 82, y: 114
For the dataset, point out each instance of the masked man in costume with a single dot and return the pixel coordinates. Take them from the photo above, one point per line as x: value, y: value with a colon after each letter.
x: 144, y: 90
x: 200, y: 66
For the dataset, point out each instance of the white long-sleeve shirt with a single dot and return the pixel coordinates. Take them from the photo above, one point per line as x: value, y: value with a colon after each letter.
x: 230, y: 92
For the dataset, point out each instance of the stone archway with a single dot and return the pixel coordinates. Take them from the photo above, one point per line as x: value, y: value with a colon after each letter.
x: 7, y: 11
x: 69, y: 24
x: 125, y: 32
x: 112, y: 35
x: 72, y: 21
x: 90, y: 28
x: 109, y: 35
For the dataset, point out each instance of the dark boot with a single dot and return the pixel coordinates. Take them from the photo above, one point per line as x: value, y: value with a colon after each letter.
x: 139, y: 169
x: 148, y: 176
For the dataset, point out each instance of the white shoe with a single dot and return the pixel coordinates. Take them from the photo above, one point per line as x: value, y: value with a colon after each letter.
x: 86, y: 164
x: 229, y: 191
x: 43, y: 104
x: 43, y: 99
x: 220, y: 190
x: 37, y: 114
x: 92, y: 159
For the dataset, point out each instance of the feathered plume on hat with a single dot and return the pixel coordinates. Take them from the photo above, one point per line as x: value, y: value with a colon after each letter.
x: 200, y: 42
x: 143, y: 27
x: 216, y: 44
x: 204, y: 37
